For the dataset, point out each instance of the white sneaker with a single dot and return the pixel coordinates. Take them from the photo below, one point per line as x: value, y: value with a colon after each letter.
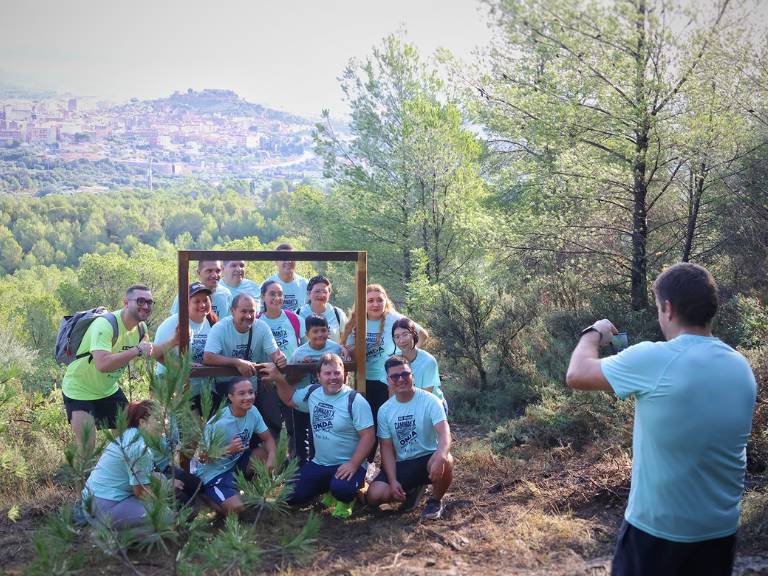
x: 372, y: 472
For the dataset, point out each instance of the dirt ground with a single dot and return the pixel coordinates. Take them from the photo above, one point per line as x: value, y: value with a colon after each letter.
x: 553, y: 513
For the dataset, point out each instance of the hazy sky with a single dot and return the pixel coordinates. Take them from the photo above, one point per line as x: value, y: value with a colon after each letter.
x: 283, y: 53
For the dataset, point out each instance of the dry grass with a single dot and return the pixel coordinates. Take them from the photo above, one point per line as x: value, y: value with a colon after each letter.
x: 541, y: 513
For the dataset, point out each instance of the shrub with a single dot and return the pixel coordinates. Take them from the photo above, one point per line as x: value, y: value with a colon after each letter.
x: 754, y: 515
x: 742, y: 322
x: 757, y: 447
x: 573, y: 419
x: 486, y: 407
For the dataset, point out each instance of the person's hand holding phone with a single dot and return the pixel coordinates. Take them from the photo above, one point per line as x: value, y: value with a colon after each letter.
x: 606, y: 329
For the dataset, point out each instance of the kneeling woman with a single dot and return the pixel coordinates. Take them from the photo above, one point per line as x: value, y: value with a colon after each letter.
x: 342, y: 427
x: 234, y: 428
x: 121, y: 478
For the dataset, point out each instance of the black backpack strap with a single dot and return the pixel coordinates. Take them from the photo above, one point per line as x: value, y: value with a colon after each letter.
x: 311, y: 389
x: 350, y: 401
x: 250, y: 339
x: 142, y: 331
x: 338, y: 316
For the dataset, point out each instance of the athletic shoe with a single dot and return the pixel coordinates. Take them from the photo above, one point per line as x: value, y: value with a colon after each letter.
x: 433, y: 510
x: 79, y: 515
x: 328, y: 500
x: 371, y: 472
x: 343, y: 509
x: 412, y: 498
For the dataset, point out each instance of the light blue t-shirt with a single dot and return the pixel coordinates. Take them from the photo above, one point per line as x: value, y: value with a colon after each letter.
x: 294, y: 292
x: 306, y: 351
x: 693, y: 414
x: 221, y: 431
x: 247, y: 286
x: 197, y: 342
x: 411, y: 425
x: 336, y: 435
x: 335, y: 325
x: 221, y: 301
x: 285, y: 336
x: 224, y: 339
x: 123, y: 464
x: 375, y: 356
x: 426, y: 374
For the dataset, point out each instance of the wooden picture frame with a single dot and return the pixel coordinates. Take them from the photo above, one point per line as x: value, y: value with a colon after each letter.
x: 361, y: 281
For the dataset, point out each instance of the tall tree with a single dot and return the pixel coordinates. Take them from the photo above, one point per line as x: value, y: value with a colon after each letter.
x: 408, y: 174
x: 582, y: 97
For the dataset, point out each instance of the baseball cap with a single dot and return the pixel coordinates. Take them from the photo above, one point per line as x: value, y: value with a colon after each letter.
x: 197, y: 288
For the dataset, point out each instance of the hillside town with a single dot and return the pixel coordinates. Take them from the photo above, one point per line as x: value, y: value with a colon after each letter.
x: 208, y: 134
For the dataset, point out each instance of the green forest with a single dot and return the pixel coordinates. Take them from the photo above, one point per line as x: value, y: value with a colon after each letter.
x: 505, y: 205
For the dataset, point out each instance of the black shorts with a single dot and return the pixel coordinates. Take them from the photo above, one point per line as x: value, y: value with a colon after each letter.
x: 410, y: 473
x: 103, y: 410
x: 639, y: 553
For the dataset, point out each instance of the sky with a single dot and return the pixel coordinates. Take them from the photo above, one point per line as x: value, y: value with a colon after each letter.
x: 286, y: 54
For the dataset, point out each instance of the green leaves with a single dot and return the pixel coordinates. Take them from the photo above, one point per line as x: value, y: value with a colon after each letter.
x: 409, y: 177
x: 269, y: 490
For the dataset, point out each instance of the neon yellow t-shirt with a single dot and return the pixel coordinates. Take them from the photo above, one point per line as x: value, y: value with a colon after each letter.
x: 83, y: 381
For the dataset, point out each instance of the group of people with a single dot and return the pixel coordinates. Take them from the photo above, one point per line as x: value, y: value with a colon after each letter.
x: 694, y: 397
x: 258, y: 329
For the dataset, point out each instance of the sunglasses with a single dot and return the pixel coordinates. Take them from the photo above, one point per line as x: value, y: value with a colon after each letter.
x: 400, y: 376
x: 143, y: 302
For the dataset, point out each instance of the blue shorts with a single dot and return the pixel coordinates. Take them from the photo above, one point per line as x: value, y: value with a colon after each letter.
x: 313, y: 479
x: 222, y: 487
x: 410, y: 473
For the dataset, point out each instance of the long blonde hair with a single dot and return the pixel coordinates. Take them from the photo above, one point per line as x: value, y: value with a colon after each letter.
x: 351, y: 323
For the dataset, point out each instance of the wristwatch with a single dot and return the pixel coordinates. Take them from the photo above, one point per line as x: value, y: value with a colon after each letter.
x: 589, y: 329
x: 138, y: 349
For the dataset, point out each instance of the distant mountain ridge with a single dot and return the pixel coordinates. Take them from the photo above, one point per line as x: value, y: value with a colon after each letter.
x: 225, y: 102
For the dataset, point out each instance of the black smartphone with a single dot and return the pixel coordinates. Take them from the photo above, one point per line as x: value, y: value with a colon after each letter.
x: 619, y: 342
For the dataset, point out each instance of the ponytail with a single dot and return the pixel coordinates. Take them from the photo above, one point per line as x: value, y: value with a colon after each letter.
x: 349, y: 327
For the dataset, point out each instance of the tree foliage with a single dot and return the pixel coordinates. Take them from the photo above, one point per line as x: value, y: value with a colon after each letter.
x: 597, y: 110
x: 408, y: 176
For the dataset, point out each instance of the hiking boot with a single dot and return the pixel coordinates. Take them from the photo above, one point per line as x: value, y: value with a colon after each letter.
x: 433, y: 510
x: 343, y: 509
x: 328, y: 500
x: 412, y: 498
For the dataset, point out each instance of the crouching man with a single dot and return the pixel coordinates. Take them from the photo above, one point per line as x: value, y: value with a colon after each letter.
x: 342, y: 427
x: 415, y: 445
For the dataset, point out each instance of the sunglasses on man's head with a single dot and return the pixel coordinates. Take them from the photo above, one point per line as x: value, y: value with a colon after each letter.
x: 143, y: 302
x: 400, y: 375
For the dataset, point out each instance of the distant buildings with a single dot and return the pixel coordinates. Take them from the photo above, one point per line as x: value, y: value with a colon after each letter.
x: 210, y: 134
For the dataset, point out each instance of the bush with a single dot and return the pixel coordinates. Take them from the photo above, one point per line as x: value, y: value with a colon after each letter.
x: 487, y: 407
x: 742, y: 322
x: 757, y: 447
x: 754, y: 515
x: 45, y: 377
x: 574, y: 419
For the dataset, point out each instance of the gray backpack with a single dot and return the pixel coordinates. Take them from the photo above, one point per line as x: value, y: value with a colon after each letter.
x: 72, y: 329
